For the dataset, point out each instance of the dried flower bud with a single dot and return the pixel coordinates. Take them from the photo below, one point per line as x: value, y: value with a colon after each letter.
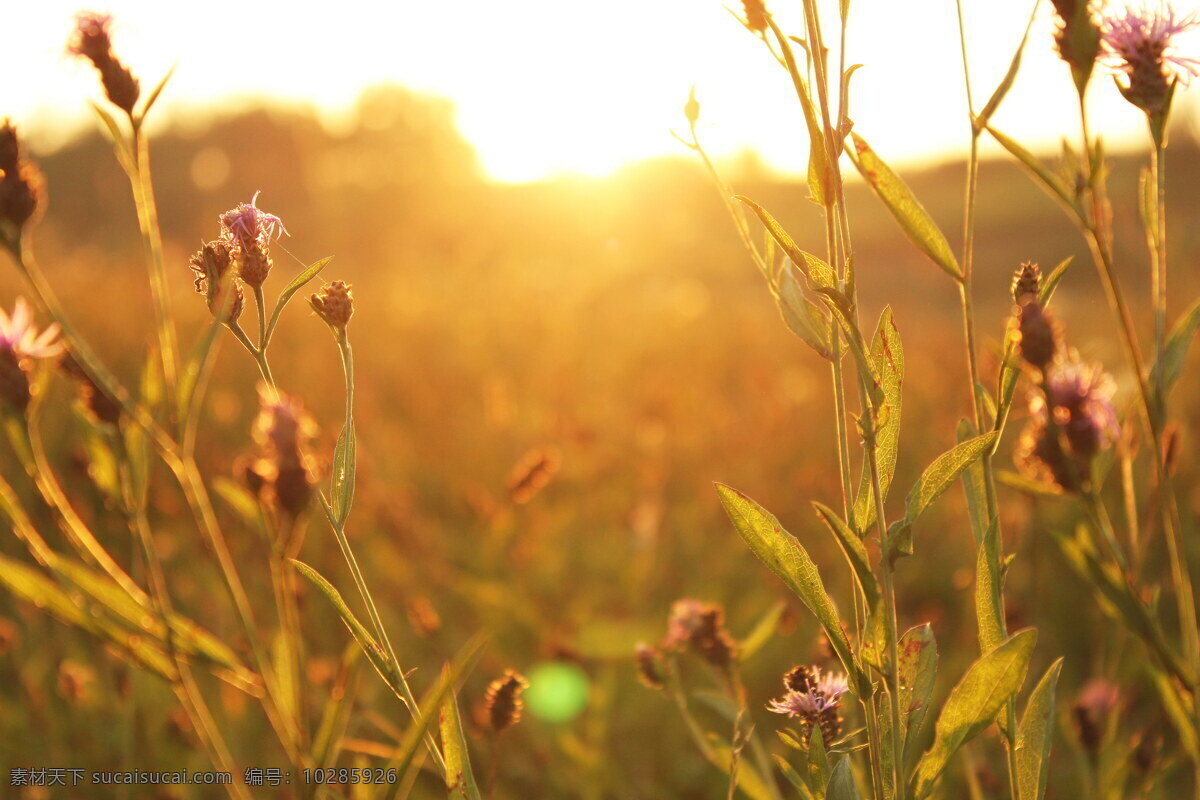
x: 531, y: 474
x: 211, y: 265
x: 700, y: 627
x: 1027, y: 283
x: 649, y: 667
x: 253, y: 264
x: 503, y: 700
x: 334, y: 304
x: 91, y: 40
x: 22, y: 194
x: 756, y: 15
x: 1078, y: 39
x: 1037, y: 335
x: 283, y: 430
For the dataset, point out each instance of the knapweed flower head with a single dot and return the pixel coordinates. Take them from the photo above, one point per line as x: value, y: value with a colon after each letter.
x: 248, y: 231
x: 1072, y: 418
x: 91, y: 40
x: 1140, y: 47
x: 503, y: 702
x: 210, y: 265
x: 283, y: 431
x: 21, y: 187
x: 1026, y: 283
x: 334, y: 304
x: 699, y: 626
x: 1078, y: 38
x: 813, y: 698
x: 246, y: 225
x: 21, y: 344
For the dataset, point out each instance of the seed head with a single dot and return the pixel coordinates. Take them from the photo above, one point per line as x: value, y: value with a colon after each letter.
x: 700, y: 626
x: 1027, y: 282
x: 22, y: 193
x: 1139, y: 47
x: 503, y: 700
x: 91, y: 40
x: 691, y: 109
x: 756, y: 15
x: 334, y: 304
x: 649, y: 667
x: 211, y: 264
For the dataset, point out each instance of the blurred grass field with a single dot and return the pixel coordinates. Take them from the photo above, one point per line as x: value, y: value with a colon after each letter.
x: 614, y: 325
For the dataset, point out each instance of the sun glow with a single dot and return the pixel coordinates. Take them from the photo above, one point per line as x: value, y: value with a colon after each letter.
x: 543, y: 87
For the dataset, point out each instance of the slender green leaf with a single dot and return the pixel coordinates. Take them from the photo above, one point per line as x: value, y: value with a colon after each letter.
x: 344, y: 469
x: 973, y: 704
x: 793, y: 777
x: 780, y: 551
x: 887, y: 353
x: 918, y: 669
x: 997, y: 96
x: 937, y: 478
x: 802, y: 317
x: 988, y: 613
x: 460, y: 780
x: 1035, y: 734
x: 1051, y: 281
x: 817, y: 271
x: 762, y: 632
x: 1176, y: 347
x: 914, y: 220
x: 295, y: 285
x: 154, y: 93
x: 974, y: 486
x: 1051, y: 183
x: 854, y: 550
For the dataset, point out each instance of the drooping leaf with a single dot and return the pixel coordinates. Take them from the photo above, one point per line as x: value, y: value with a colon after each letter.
x: 854, y: 550
x: 937, y: 478
x: 974, y: 486
x: 973, y: 704
x: 361, y: 635
x: 780, y: 551
x: 814, y: 268
x: 1051, y: 183
x: 762, y: 631
x: 802, y: 317
x: 1035, y: 734
x: 888, y: 355
x: 914, y: 220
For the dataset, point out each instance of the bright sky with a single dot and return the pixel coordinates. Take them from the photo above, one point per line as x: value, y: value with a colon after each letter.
x: 571, y: 86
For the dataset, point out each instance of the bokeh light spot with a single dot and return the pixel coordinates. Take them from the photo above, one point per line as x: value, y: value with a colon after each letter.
x: 557, y: 691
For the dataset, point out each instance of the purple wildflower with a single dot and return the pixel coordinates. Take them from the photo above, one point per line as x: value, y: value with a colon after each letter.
x: 1140, y: 48
x: 248, y: 226
x: 812, y: 697
x: 19, y: 336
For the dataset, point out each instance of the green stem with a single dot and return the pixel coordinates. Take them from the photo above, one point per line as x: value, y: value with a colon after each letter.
x: 339, y: 531
x: 138, y: 170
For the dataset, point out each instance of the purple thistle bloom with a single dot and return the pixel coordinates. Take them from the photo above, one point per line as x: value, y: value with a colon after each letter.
x: 249, y: 226
x: 801, y: 704
x: 1081, y: 395
x: 1140, y: 48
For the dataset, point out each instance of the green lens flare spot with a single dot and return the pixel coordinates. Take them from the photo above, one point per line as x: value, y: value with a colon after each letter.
x: 557, y: 691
